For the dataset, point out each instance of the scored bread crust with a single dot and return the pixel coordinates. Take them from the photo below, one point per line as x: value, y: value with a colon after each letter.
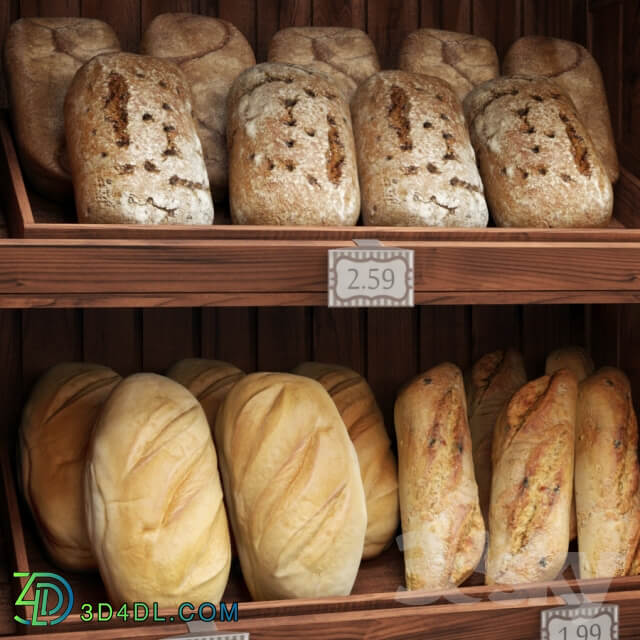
x: 606, y: 477
x: 532, y: 484
x: 363, y: 419
x: 442, y: 529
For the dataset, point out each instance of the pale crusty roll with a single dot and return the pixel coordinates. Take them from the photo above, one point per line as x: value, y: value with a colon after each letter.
x: 53, y: 437
x: 537, y: 161
x: 41, y: 56
x: 492, y: 381
x: 293, y: 486
x: 606, y: 477
x: 574, y: 69
x: 154, y: 506
x: 208, y: 380
x: 531, y: 489
x: 415, y: 160
x: 362, y: 417
x: 442, y: 528
x: 211, y: 53
x: 461, y: 59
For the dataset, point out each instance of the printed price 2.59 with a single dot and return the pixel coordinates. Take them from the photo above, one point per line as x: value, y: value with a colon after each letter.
x: 374, y: 278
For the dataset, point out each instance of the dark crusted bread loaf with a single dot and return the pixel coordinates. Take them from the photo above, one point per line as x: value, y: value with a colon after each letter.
x: 211, y: 53
x: 134, y: 151
x: 416, y: 163
x: 41, y: 56
x: 291, y: 150
x: 537, y: 161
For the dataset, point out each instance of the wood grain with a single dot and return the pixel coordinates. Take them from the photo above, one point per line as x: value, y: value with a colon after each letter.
x: 283, y: 337
x: 49, y: 8
x: 456, y: 15
x: 229, y: 334
x: 123, y: 16
x: 149, y: 9
x: 389, y: 22
x: 339, y: 337
x: 430, y: 14
x: 11, y: 376
x: 445, y: 336
x: 340, y: 13
x: 494, y: 327
x: 242, y: 14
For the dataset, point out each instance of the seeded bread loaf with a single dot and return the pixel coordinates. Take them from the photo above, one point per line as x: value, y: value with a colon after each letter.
x: 346, y: 55
x: 442, y: 529
x: 134, y: 151
x: 537, y: 161
x: 362, y: 417
x: 490, y: 385
x: 532, y: 485
x: 574, y: 69
x: 606, y: 477
x: 211, y: 53
x: 416, y: 164
x: 41, y: 56
x: 292, y: 157
x: 461, y: 59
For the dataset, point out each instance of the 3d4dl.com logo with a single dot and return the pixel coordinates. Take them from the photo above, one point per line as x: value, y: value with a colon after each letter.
x: 49, y: 594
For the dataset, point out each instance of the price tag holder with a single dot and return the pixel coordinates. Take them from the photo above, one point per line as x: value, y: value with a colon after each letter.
x: 584, y: 622
x: 370, y: 275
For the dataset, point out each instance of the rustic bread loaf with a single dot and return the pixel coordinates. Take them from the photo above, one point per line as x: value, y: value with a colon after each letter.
x: 442, y: 529
x: 292, y: 157
x: 532, y: 485
x: 134, y: 151
x: 346, y: 55
x: 41, y: 56
x: 362, y: 417
x: 211, y: 53
x: 154, y: 506
x: 574, y: 69
x: 461, y: 59
x: 416, y: 163
x: 208, y: 380
x: 55, y: 430
x: 293, y: 486
x: 606, y: 477
x: 492, y: 381
x: 537, y: 161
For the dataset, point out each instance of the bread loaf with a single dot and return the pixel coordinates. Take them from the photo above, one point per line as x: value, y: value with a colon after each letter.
x: 133, y: 147
x: 574, y: 69
x: 362, y: 417
x: 292, y: 157
x: 41, y: 56
x: 461, y: 59
x: 606, y: 477
x: 154, y: 507
x: 531, y: 489
x: 293, y: 486
x: 346, y: 55
x: 493, y: 379
x: 208, y: 380
x: 442, y: 529
x: 55, y: 430
x: 211, y: 53
x: 537, y: 161
x: 415, y: 160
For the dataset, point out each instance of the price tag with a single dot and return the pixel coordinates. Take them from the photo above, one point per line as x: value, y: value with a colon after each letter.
x: 371, y: 276
x: 584, y: 622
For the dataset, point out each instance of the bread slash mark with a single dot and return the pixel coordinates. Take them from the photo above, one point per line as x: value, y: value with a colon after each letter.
x: 335, y: 152
x: 175, y: 180
x: 115, y: 107
x: 580, y: 151
x: 399, y: 117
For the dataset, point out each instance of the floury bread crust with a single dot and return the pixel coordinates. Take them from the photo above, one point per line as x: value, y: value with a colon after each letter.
x: 154, y: 506
x: 606, y: 478
x: 461, y: 59
x: 211, y: 53
x: 134, y: 151
x: 416, y: 163
x: 293, y: 486
x: 532, y: 484
x: 41, y: 56
x: 442, y: 529
x: 537, y: 161
x: 574, y: 69
x: 346, y: 55
x: 292, y: 157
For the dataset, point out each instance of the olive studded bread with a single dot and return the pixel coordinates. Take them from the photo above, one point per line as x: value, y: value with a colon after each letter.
x: 416, y: 164
x: 291, y: 151
x: 41, y: 56
x: 134, y: 151
x: 211, y: 53
x: 537, y: 161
